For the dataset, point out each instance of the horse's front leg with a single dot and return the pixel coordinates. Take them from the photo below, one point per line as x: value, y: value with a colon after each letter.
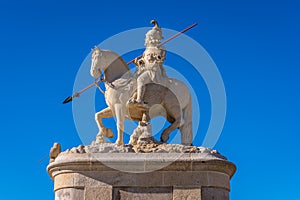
x: 120, y: 115
x: 103, y: 131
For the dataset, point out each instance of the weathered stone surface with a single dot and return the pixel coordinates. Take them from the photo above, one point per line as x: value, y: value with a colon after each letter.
x: 189, y: 179
x: 101, y: 148
x: 69, y: 194
x: 210, y: 193
x: 135, y: 174
x: 142, y: 148
x: 186, y: 193
x: 95, y: 193
x: 162, y: 193
x: 65, y: 180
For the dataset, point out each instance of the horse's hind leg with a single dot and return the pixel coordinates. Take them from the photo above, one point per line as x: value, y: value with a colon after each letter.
x: 173, y: 116
x: 165, y: 134
x: 103, y: 131
x: 186, y: 129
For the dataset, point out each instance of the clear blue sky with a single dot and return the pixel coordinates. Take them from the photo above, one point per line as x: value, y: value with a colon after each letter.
x: 255, y: 45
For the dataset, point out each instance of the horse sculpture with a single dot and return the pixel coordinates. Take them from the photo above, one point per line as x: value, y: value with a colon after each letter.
x: 171, y: 100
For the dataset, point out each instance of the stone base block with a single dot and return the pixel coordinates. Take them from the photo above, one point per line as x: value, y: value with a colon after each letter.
x: 120, y: 176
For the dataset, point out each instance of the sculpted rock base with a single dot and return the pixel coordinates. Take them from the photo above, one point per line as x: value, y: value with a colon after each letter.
x: 148, y: 171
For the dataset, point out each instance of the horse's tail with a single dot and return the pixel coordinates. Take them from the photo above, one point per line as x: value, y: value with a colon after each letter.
x: 186, y: 128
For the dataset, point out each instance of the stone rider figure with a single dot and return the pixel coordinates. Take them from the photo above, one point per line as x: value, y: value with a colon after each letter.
x: 150, y: 66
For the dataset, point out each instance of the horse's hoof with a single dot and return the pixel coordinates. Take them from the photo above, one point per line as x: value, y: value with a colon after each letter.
x: 119, y: 142
x: 133, y: 141
x: 108, y: 133
x: 164, y: 138
x: 99, y: 141
x: 100, y: 137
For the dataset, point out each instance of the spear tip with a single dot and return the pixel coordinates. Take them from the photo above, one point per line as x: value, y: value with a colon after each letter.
x: 67, y: 100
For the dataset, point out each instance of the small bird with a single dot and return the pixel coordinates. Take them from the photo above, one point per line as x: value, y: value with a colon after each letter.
x: 54, y: 151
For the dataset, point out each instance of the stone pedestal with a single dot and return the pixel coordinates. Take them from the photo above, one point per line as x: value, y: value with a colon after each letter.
x: 92, y: 175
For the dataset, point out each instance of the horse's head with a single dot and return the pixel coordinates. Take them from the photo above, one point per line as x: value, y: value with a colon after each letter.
x: 96, y: 62
x: 109, y: 62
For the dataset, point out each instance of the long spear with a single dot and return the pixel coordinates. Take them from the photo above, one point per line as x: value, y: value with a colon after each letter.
x: 77, y: 94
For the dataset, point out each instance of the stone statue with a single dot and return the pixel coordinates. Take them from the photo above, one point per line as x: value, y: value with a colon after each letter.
x: 54, y: 151
x: 150, y: 66
x: 171, y: 99
x: 143, y: 133
x: 146, y: 169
